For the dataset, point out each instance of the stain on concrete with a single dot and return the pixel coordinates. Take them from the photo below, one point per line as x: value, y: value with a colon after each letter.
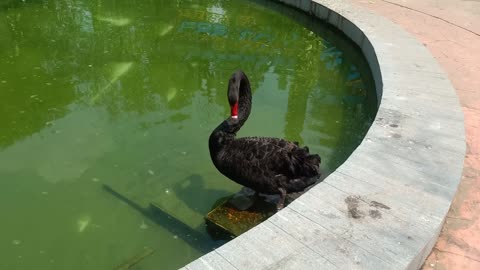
x: 329, y: 215
x: 352, y: 205
x: 375, y: 214
x: 358, y: 207
x: 379, y: 205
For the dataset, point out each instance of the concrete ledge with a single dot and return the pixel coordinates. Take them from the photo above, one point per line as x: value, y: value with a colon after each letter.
x: 385, y: 206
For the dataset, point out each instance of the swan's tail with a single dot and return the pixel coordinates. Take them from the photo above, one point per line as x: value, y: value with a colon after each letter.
x: 304, y: 168
x: 304, y: 164
x: 314, y: 162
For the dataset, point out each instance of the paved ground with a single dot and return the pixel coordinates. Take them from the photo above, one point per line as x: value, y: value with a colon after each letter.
x: 450, y: 29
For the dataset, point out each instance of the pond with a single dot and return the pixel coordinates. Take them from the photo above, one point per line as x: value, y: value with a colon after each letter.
x: 124, y: 94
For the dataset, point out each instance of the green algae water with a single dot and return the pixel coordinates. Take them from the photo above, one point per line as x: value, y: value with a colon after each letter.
x: 124, y: 94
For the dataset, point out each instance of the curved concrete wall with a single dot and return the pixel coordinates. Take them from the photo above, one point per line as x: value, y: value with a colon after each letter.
x: 385, y: 206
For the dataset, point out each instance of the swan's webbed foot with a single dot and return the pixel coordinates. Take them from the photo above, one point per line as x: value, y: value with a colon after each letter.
x: 281, y: 202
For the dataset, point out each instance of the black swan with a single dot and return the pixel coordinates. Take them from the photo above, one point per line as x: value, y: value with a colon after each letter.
x: 266, y: 165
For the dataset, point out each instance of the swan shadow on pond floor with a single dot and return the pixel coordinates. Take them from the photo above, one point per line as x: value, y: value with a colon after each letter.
x: 158, y: 216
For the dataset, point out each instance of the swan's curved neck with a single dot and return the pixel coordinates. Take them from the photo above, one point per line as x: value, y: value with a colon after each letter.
x: 244, y: 98
x: 240, y: 99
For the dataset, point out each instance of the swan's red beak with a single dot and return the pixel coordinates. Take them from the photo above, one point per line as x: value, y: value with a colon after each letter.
x: 234, y: 110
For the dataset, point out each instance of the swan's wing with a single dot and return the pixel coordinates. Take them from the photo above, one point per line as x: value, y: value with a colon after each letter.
x: 274, y: 156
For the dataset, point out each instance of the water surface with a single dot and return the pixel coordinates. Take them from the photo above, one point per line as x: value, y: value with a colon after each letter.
x: 126, y: 93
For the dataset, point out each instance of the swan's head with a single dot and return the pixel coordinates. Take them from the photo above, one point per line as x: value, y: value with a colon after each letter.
x: 234, y: 92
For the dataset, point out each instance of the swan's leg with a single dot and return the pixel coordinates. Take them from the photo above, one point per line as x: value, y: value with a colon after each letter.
x: 283, y: 194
